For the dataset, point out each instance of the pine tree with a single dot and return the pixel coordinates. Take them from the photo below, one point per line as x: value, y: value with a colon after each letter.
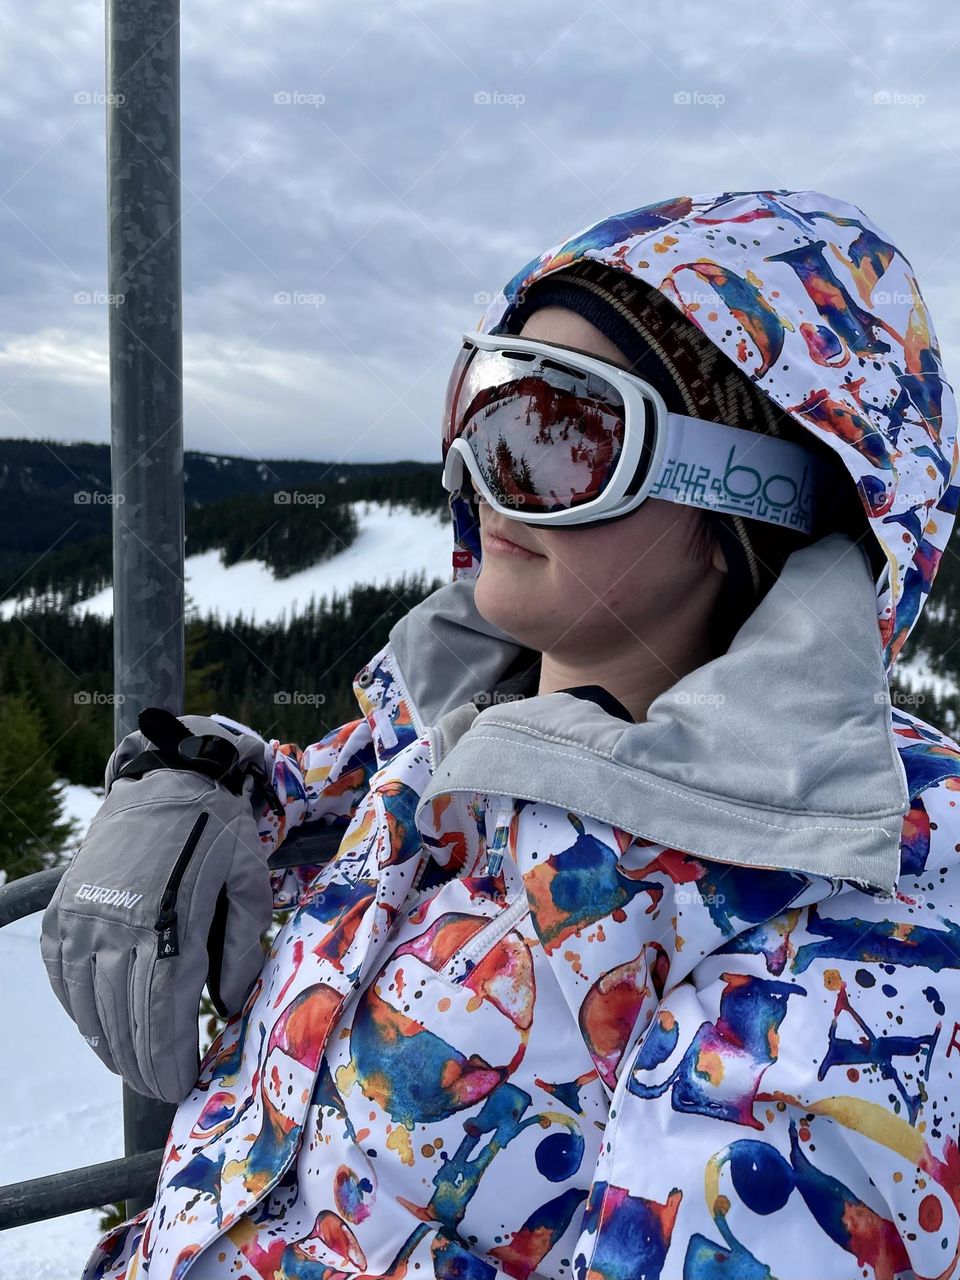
x: 33, y: 833
x: 198, y: 675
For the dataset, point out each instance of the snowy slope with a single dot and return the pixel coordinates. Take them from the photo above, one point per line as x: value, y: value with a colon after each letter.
x: 61, y: 1105
x: 389, y: 545
x: 914, y: 673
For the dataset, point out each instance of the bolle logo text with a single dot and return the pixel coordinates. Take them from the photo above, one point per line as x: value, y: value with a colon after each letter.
x: 109, y: 897
x: 777, y: 491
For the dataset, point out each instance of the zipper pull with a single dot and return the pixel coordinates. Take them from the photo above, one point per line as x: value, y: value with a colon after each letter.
x: 388, y: 735
x: 498, y: 844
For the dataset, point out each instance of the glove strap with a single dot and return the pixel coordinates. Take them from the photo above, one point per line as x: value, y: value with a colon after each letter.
x: 147, y: 761
x: 177, y: 748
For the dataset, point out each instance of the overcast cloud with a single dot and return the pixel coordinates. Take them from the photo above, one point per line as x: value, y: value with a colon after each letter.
x: 388, y: 187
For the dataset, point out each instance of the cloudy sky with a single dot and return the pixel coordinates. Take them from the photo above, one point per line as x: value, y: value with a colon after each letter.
x: 357, y: 179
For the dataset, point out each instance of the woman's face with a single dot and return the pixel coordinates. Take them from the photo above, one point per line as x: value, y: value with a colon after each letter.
x: 586, y: 591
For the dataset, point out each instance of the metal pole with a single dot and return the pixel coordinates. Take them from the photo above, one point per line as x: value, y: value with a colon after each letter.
x: 146, y: 394
x: 87, y: 1188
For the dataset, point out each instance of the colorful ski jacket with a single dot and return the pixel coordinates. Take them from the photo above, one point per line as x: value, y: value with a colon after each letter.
x: 583, y: 997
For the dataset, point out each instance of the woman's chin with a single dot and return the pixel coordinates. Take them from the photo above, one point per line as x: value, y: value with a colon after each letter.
x: 504, y: 599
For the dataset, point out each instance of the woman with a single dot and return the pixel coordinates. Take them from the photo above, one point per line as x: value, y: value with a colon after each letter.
x: 639, y: 954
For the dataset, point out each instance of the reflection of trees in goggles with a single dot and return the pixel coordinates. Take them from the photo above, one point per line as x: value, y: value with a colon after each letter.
x: 545, y: 437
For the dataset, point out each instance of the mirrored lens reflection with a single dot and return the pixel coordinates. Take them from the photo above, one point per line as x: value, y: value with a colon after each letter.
x: 545, y: 437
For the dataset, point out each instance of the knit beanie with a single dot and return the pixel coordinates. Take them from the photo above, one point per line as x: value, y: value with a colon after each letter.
x: 695, y: 378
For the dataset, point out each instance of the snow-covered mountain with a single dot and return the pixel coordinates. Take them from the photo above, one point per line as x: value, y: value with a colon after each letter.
x: 390, y: 543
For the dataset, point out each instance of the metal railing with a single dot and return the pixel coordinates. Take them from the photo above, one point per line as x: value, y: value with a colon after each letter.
x: 133, y: 1178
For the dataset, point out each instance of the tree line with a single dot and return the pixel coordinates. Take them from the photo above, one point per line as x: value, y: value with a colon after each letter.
x: 56, y: 511
x: 290, y: 680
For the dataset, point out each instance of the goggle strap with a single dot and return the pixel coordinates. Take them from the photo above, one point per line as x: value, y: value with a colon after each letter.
x: 723, y: 468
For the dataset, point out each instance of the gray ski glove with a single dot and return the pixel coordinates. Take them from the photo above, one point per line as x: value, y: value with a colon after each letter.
x: 169, y: 889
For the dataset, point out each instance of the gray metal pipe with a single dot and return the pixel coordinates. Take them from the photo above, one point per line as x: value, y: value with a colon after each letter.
x: 87, y: 1188
x: 19, y: 898
x: 146, y: 393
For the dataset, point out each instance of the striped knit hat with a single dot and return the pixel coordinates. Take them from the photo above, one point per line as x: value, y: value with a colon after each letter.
x: 696, y: 378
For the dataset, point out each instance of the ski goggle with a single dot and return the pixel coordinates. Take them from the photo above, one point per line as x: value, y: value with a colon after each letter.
x: 552, y: 437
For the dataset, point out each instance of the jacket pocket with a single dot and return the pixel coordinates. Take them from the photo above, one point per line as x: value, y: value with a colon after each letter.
x: 464, y: 960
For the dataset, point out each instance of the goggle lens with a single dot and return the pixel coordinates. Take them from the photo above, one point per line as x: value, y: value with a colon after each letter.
x: 545, y: 436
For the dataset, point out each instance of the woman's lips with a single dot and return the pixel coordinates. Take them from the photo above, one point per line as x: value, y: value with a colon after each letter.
x: 505, y: 547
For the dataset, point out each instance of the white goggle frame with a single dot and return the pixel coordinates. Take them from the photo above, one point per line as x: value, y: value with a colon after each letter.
x: 692, y: 461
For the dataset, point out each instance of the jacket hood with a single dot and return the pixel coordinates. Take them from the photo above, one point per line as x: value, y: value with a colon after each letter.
x: 818, y: 307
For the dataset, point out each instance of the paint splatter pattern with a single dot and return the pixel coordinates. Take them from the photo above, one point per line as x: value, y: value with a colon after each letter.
x: 609, y: 1059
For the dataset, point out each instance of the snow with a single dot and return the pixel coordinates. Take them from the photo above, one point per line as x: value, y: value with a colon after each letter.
x: 915, y: 674
x: 49, y: 600
x: 80, y: 802
x: 62, y: 1107
x: 388, y: 545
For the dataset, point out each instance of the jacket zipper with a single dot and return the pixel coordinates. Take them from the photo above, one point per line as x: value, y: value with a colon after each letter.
x: 488, y: 937
x: 500, y: 924
x: 168, y: 940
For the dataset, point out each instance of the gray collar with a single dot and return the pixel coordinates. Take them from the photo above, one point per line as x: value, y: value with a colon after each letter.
x: 777, y: 754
